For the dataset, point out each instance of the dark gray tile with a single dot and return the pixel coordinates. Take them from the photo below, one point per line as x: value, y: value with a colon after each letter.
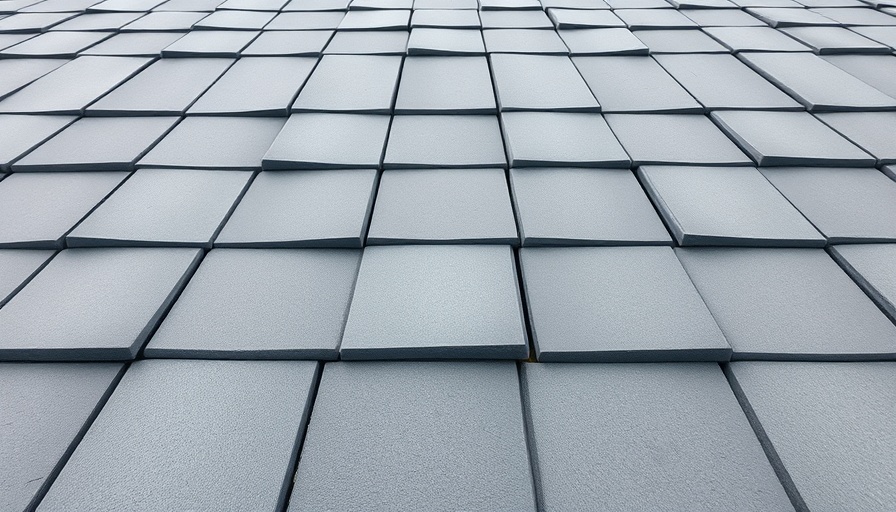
x: 215, y: 143
x: 540, y: 82
x: 443, y: 206
x: 289, y: 43
x: 165, y: 21
x: 40, y: 208
x: 351, y: 83
x: 785, y: 17
x: 441, y: 435
x: 16, y: 268
x: 445, y: 85
x: 584, y: 18
x: 679, y: 41
x: 93, y: 304
x: 616, y: 304
x: 515, y: 19
x: 97, y: 144
x: 55, y: 45
x: 306, y: 21
x: 538, y: 139
x: 721, y: 82
x: 163, y: 207
x: 226, y: 311
x: 846, y: 205
x: 674, y: 139
x: 45, y: 410
x: 875, y: 70
x: 845, y: 413
x: 584, y: 207
x: 871, y: 267
x: 794, y: 304
x: 603, y: 41
x: 210, y: 43
x: 134, y: 44
x: 368, y: 42
x: 755, y: 39
x: 245, y: 417
x: 673, y: 425
x: 726, y: 206
x: 654, y: 19
x: 391, y: 19
x: 22, y: 133
x: 524, y: 40
x: 70, y: 88
x: 789, y: 138
x: 445, y: 18
x: 875, y: 132
x: 320, y: 141
x: 427, y: 301
x: 235, y: 20
x: 151, y: 91
x: 302, y: 209
x: 444, y: 141
x: 240, y: 92
x: 433, y: 41
x: 634, y: 84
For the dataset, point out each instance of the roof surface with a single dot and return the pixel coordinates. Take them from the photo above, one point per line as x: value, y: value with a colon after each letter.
x: 433, y: 255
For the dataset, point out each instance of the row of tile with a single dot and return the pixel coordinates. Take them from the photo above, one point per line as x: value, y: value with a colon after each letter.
x: 455, y: 302
x: 437, y: 436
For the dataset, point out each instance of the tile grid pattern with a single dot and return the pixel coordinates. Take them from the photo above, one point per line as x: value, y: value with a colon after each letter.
x: 195, y: 188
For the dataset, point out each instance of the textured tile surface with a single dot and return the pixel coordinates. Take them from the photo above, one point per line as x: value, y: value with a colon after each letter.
x: 320, y: 140
x: 17, y: 267
x: 871, y: 267
x: 351, y: 83
x: 539, y: 82
x: 634, y: 84
x: 455, y: 85
x: 561, y: 139
x: 23, y: 133
x: 444, y: 141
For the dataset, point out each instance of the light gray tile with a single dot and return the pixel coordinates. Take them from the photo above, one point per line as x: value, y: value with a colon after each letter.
x: 634, y: 84
x: 210, y: 43
x: 368, y: 42
x: 827, y: 40
x: 509, y: 5
x: 875, y: 70
x: 875, y: 132
x: 235, y: 20
x: 351, y: 83
x: 785, y: 17
x: 151, y: 91
x: 445, y: 18
x: 794, y: 304
x: 124, y: 5
x: 261, y: 304
x: 540, y: 82
x: 302, y: 209
x: 603, y: 41
x: 574, y: 4
x: 55, y: 6
x: 165, y: 21
x: 93, y: 304
x: 726, y: 206
x: 598, y: 433
x: 846, y: 205
x: 722, y: 18
x: 524, y: 40
x: 679, y: 41
x: 755, y: 39
x: 32, y: 22
x: 538, y: 139
x: 22, y: 133
x: 444, y: 84
x: 584, y: 207
x: 253, y: 5
x: 40, y: 208
x: 446, y: 4
x: 871, y: 267
x: 789, y: 138
x: 654, y: 19
x: 188, y: 5
x: 16, y: 269
x: 306, y: 21
x: 444, y: 141
x: 433, y: 41
x: 441, y: 435
x: 885, y: 35
x: 319, y: 141
x: 100, y: 144
x: 446, y: 301
x: 616, y: 304
x: 215, y: 143
x: 856, y: 16
x: 55, y: 44
x: 674, y: 139
x: 99, y: 22
x: 134, y: 44
x: 515, y: 19
x: 443, y: 206
x: 837, y: 455
x: 386, y: 19
x: 7, y: 40
x: 584, y: 18
x: 163, y: 207
x: 380, y: 4
x: 289, y: 43
x: 244, y: 417
x: 46, y: 408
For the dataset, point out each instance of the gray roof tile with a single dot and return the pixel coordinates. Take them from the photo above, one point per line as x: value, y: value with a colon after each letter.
x: 319, y: 141
x: 210, y: 43
x: 511, y: 40
x: 654, y: 19
x: 134, y: 44
x: 445, y: 301
x: 445, y: 85
x: 315, y: 5
x: 722, y: 18
x: 875, y: 70
x: 55, y: 44
x: 391, y: 19
x: 444, y: 141
x: 755, y: 39
x: 875, y: 132
x: 871, y: 267
x: 32, y: 22
x: 784, y: 17
x: 857, y: 16
x: 538, y: 139
x: 885, y: 35
x: 235, y: 20
x: 21, y: 134
x: 253, y: 5
x: 827, y: 40
x: 289, y: 43
x: 306, y: 21
x: 603, y: 41
x: 350, y: 83
x: 368, y: 42
x: 106, y: 22
x: 188, y: 5
x: 164, y: 21
x: 540, y: 82
x: 124, y: 5
x: 445, y: 18
x: 515, y: 19
x: 434, y: 41
x: 584, y: 18
x: 679, y: 41
x: 16, y: 269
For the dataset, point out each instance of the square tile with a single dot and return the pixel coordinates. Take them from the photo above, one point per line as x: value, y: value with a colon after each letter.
x: 755, y: 39
x: 722, y: 18
x: 692, y: 41
x: 55, y: 44
x: 445, y: 18
x: 306, y: 21
x: 210, y: 43
x: 289, y: 43
x: 245, y: 417
x: 856, y: 16
x: 302, y: 209
x: 540, y: 82
x: 163, y: 207
x: 391, y: 19
x: 726, y: 206
x: 21, y: 134
x: 654, y: 19
x: 134, y: 44
x: 261, y: 304
x: 874, y: 70
x: 435, y: 41
x: 618, y: 304
x: 445, y: 84
x: 827, y: 40
x: 426, y: 427
x: 524, y: 40
x: 885, y: 35
x: 235, y: 20
x: 444, y: 141
x: 538, y: 139
x: 320, y: 141
x: 368, y: 42
x: 445, y: 301
x: 17, y: 267
x: 875, y: 132
x: 584, y: 18
x: 634, y: 84
x: 443, y: 206
x: 515, y: 19
x: 93, y: 304
x: 785, y: 17
x: 351, y: 83
x: 788, y: 304
x: 99, y: 22
x: 165, y: 21
x: 603, y: 41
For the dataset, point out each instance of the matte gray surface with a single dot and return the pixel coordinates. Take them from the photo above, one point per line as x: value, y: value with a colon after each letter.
x: 444, y: 141
x: 788, y: 304
x: 17, y: 267
x: 540, y: 82
x: 215, y: 143
x: 433, y: 41
x: 93, y: 304
x: 17, y: 73
x: 509, y: 40
x: 457, y: 301
x: 454, y: 85
x: 135, y: 44
x: 327, y: 208
x: 566, y: 139
x: 351, y: 83
x: 644, y: 437
x: 210, y: 43
x: 875, y: 132
x: 44, y: 410
x: 875, y: 70
x: 603, y: 41
x: 871, y: 267
x: 324, y: 140
x: 646, y: 87
x: 443, y: 206
x: 616, y: 304
x: 163, y: 207
x: 840, y: 453
x: 755, y: 39
x: 289, y: 43
x: 846, y: 205
x: 789, y: 138
x: 367, y: 42
x: 245, y: 418
x: 23, y: 133
x: 55, y: 44
x: 261, y: 304
x: 441, y: 435
x: 39, y: 209
x: 726, y: 206
x: 826, y: 40
x: 691, y: 41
